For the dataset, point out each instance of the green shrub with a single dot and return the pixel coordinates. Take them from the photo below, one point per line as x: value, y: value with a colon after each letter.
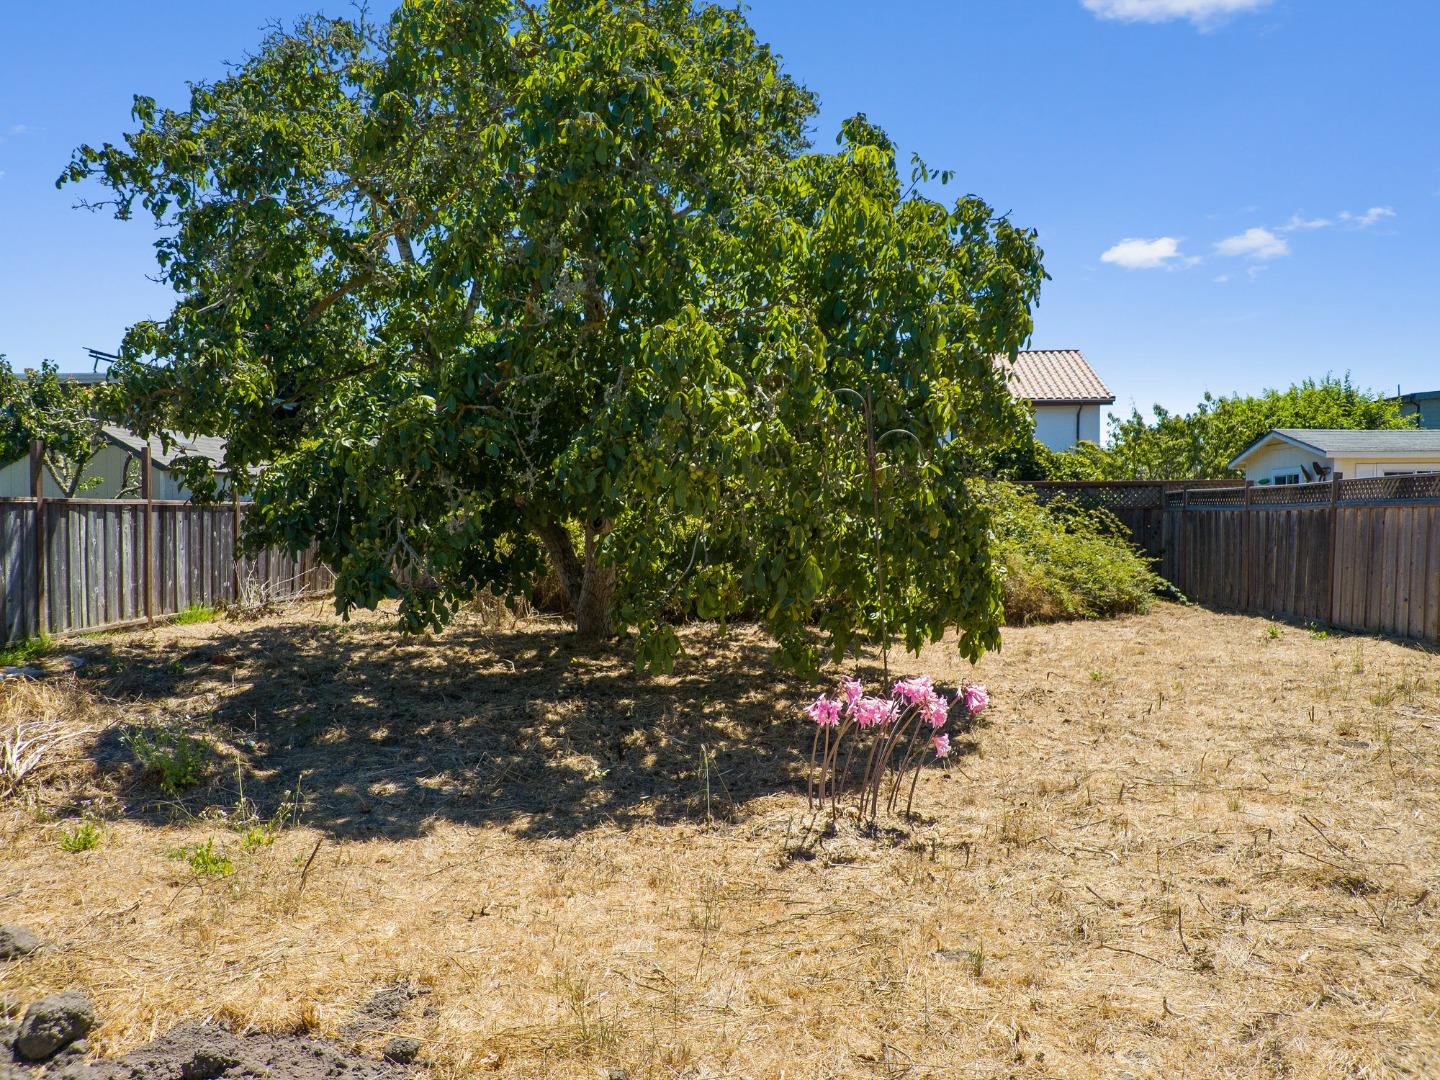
x: 176, y: 760
x: 1060, y: 561
x: 84, y: 837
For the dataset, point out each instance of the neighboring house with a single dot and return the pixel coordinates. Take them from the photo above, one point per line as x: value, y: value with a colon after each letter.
x: 1304, y: 455
x: 1425, y: 404
x: 108, y: 467
x: 1065, y: 392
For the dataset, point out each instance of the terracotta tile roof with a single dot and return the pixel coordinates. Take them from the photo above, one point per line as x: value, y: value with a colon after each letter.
x: 1056, y: 376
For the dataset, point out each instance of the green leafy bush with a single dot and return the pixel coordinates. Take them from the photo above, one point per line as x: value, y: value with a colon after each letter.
x: 1064, y: 562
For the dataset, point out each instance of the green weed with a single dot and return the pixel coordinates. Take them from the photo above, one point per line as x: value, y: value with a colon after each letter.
x: 197, y: 613
x: 26, y: 652
x: 83, y: 837
x: 177, y: 761
x: 204, y: 860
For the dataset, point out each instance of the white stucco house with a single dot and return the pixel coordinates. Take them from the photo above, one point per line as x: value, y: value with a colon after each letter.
x: 1065, y: 392
x: 105, y: 475
x: 1306, y: 455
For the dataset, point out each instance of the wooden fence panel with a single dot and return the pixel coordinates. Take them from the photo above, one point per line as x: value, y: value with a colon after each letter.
x: 1361, y: 554
x: 95, y: 571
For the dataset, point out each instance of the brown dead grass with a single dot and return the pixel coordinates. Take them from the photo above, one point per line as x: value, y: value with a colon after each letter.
x: 1180, y: 847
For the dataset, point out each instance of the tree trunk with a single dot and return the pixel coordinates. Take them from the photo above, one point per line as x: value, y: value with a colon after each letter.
x: 589, y: 586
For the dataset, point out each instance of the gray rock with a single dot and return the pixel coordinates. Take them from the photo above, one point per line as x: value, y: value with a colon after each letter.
x: 208, y: 1063
x: 53, y: 1023
x: 17, y: 941
x: 24, y: 672
x: 402, y: 1050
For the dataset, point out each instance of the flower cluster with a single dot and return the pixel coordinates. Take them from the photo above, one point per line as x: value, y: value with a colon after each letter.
x: 917, y: 695
x: 897, y: 727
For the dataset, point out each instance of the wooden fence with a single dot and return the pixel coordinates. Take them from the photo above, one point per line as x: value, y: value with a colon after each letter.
x: 93, y: 564
x: 1357, y: 554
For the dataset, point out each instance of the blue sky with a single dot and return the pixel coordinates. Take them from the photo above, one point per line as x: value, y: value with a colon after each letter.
x: 1232, y: 194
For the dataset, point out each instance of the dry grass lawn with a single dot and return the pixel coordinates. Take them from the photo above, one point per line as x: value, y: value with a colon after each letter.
x: 1184, y: 845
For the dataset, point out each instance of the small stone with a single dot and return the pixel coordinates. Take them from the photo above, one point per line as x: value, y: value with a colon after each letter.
x: 208, y: 1064
x: 76, y: 1051
x: 619, y: 1074
x: 402, y: 1050
x: 53, y: 1023
x: 17, y: 941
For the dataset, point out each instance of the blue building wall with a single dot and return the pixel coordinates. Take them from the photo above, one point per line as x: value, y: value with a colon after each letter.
x: 1426, y: 404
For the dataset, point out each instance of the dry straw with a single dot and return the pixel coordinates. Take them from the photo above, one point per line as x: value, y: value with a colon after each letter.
x: 1178, y: 847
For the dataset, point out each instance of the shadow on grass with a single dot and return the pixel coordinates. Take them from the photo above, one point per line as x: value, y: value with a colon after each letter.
x: 384, y: 735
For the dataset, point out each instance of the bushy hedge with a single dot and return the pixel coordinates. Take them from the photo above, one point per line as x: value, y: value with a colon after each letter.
x: 1064, y: 562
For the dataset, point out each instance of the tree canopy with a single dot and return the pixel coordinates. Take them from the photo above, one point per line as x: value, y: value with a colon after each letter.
x: 498, y: 281
x: 1201, y: 444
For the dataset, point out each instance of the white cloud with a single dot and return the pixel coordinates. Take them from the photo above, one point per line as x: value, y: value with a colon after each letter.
x: 1143, y: 254
x: 1297, y: 223
x: 1254, y: 244
x: 1203, y: 13
x: 1370, y: 217
x: 18, y: 129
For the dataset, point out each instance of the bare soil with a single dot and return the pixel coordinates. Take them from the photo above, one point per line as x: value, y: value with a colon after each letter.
x: 1183, y: 844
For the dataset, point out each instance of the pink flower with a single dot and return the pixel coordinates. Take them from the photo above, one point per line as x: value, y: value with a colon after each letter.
x: 975, y: 698
x: 851, y: 689
x: 942, y: 745
x: 872, y: 711
x: 824, y: 711
x: 912, y: 691
x: 936, y: 709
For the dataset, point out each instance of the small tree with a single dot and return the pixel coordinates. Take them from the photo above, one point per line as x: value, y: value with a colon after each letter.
x: 503, y: 280
x: 60, y: 414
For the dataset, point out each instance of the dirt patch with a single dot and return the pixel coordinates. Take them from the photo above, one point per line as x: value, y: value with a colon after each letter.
x: 206, y: 1052
x: 1181, y: 844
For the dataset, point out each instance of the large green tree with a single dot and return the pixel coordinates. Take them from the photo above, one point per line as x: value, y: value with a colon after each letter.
x: 499, y: 282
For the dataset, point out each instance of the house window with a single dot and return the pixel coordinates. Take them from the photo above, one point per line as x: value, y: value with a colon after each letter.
x: 1285, y: 476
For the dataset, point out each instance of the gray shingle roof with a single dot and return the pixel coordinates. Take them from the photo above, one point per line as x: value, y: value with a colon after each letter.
x: 1056, y: 377
x: 1348, y: 442
x: 180, y: 446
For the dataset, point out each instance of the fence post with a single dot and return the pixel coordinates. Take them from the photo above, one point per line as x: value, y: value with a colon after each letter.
x: 1245, y: 547
x: 146, y: 493
x: 37, y: 492
x: 235, y: 547
x: 1183, y: 570
x: 1334, y: 527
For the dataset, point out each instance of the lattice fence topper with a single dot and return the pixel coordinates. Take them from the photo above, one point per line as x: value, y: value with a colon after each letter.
x: 1230, y: 494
